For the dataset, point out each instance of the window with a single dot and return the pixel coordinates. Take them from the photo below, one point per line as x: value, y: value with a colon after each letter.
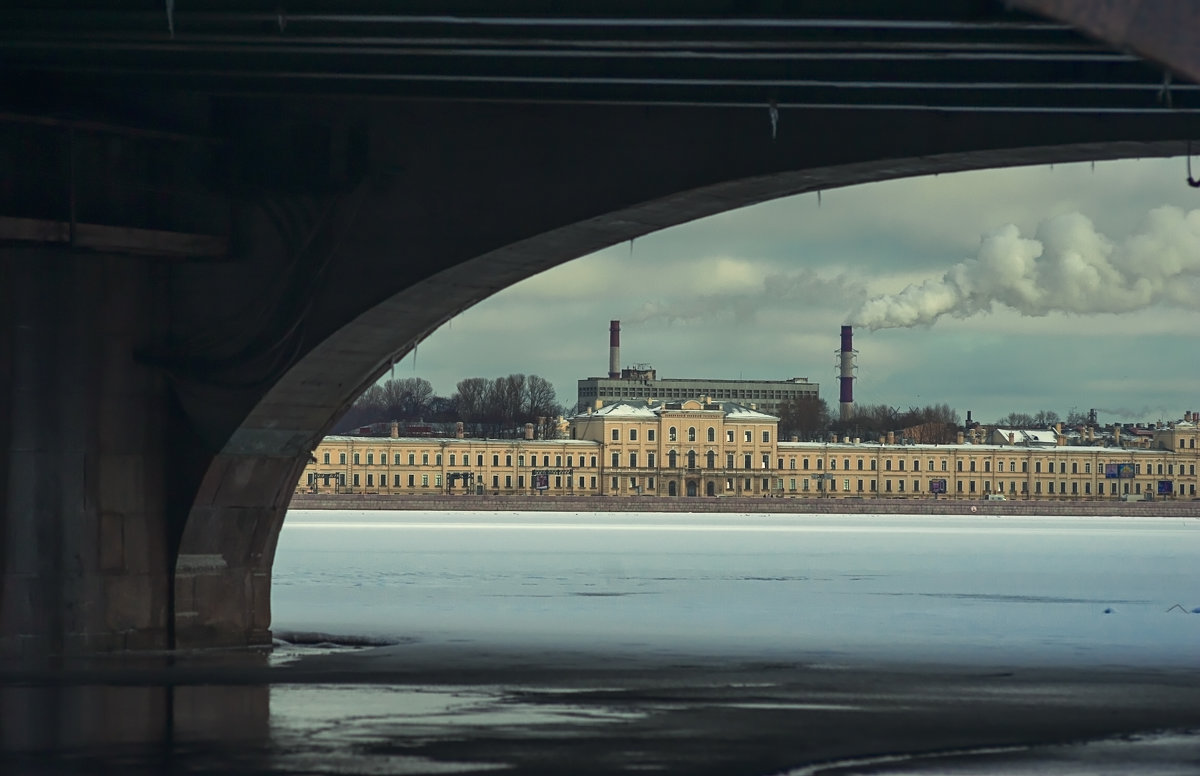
x: 691, y: 459
x: 342, y: 458
x: 987, y: 466
x: 746, y: 461
x: 356, y: 459
x: 887, y: 466
x: 860, y: 464
x: 633, y: 460
x: 370, y: 458
x: 424, y: 480
x: 437, y: 480
x: 616, y: 435
x: 356, y: 480
x: 616, y: 459
x: 766, y: 437
x: 874, y: 464
x: 748, y: 437
x: 633, y: 435
x: 845, y: 463
x: 495, y: 460
x: 958, y: 465
x: 728, y: 460
x: 437, y: 459
x: 712, y: 434
x: 728, y: 435
x: 326, y: 458
x: 593, y: 465
x: 396, y: 460
x: 396, y: 481
x: 972, y: 465
x: 833, y: 463
x: 943, y: 464
x: 520, y: 460
x: 557, y: 460
x: 1074, y: 467
x: 412, y: 480
x: 916, y: 466
x: 615, y: 483
x: 570, y: 461
x: 671, y: 434
x: 495, y: 480
x: 766, y: 461
x: 672, y: 459
x: 479, y: 460
x: 691, y: 433
x: 508, y: 460
x: 712, y: 459
x: 424, y: 459
x: 370, y: 480
x: 650, y: 434
x: 520, y: 480
x: 650, y: 460
x: 804, y: 464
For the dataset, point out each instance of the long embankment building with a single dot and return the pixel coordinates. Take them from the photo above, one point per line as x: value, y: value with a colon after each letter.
x: 702, y: 448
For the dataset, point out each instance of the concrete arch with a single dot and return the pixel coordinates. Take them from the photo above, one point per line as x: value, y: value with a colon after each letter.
x: 553, y: 184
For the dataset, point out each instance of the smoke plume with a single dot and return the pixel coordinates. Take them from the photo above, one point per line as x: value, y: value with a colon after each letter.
x: 1066, y: 267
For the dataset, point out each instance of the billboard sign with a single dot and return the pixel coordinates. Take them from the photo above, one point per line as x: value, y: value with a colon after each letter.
x: 541, y: 481
x: 1166, y: 487
x: 937, y: 486
x: 1115, y: 471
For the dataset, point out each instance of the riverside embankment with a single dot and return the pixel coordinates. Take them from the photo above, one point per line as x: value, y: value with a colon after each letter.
x: 872, y: 506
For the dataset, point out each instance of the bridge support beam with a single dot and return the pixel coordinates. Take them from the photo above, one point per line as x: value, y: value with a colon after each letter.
x: 83, y: 470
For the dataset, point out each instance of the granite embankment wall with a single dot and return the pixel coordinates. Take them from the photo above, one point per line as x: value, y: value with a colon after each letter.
x: 879, y: 506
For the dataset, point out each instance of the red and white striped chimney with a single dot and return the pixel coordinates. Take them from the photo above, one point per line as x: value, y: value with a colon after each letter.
x: 614, y: 349
x: 846, y: 373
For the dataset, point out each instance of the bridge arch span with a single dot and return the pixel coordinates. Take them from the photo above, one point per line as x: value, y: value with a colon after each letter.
x: 427, y: 233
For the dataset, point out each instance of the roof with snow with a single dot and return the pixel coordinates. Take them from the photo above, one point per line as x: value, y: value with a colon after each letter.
x: 1025, y: 437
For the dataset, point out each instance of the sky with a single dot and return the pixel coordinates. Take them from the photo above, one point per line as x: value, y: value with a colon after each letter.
x: 1016, y: 290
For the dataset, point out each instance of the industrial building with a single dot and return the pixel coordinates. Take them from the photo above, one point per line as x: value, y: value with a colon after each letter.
x: 641, y: 383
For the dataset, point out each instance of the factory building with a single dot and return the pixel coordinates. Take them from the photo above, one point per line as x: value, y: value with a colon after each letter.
x: 641, y: 383
x: 703, y: 448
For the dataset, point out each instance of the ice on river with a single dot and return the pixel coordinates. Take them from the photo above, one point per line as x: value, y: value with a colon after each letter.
x: 1086, y: 591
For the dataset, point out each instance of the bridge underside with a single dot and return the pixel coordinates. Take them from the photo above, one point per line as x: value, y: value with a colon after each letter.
x: 201, y: 270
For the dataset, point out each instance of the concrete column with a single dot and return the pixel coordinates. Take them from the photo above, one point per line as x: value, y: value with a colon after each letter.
x: 85, y: 553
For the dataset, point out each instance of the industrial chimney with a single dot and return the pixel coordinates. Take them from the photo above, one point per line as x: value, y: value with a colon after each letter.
x: 614, y: 350
x: 846, y: 373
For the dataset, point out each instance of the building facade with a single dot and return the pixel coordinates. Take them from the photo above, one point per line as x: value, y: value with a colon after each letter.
x: 713, y: 449
x: 641, y: 385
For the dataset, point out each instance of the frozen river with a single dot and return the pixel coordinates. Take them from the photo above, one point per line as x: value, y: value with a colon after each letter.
x: 1091, y: 591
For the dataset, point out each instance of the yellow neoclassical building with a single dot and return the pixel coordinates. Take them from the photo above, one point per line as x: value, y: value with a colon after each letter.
x: 701, y: 448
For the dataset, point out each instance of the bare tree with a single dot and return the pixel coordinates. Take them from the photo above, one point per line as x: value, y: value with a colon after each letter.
x: 803, y: 417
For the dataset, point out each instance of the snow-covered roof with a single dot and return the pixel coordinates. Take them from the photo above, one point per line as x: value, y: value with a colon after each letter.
x: 624, y: 410
x: 1027, y: 437
x: 741, y: 412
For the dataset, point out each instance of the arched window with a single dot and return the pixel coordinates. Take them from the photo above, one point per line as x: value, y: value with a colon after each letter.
x: 691, y: 459
x: 712, y: 457
x: 691, y: 433
x: 673, y: 457
x: 712, y: 435
x: 370, y: 458
x: 672, y: 435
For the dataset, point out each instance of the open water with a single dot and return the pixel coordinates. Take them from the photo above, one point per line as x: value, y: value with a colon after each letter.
x: 1087, y: 591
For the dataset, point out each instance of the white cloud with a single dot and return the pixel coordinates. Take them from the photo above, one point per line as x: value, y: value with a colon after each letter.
x: 760, y: 293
